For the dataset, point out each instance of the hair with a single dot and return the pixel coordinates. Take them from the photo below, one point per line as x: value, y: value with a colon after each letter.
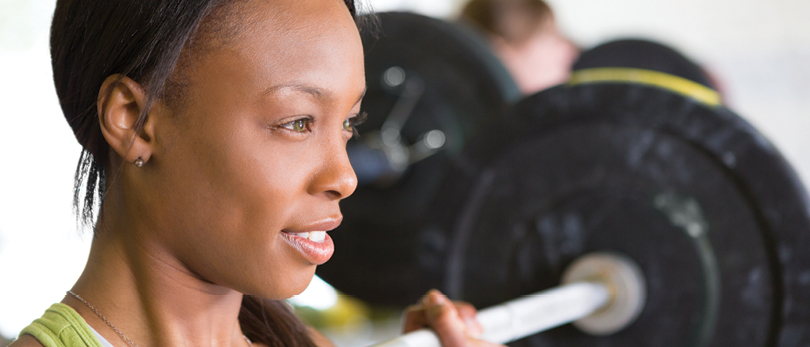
x: 514, y: 21
x: 145, y: 41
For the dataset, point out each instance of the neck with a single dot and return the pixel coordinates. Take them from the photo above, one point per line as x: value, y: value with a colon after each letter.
x: 151, y: 297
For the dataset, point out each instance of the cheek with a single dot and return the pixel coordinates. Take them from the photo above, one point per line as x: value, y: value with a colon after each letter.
x: 253, y: 182
x: 234, y: 189
x: 556, y: 52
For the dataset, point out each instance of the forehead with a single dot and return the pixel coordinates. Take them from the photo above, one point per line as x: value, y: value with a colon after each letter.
x: 313, y: 42
x: 300, y: 28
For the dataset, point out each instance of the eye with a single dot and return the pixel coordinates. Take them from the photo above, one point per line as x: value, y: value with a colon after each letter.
x: 298, y: 125
x: 351, y: 123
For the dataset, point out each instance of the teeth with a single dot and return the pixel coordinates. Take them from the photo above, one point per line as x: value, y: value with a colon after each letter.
x: 317, y: 236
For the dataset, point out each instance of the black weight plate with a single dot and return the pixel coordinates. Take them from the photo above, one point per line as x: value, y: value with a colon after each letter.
x: 712, y: 213
x: 642, y: 54
x: 464, y: 86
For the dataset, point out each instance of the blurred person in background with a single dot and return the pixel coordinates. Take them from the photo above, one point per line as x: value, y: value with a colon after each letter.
x: 524, y: 35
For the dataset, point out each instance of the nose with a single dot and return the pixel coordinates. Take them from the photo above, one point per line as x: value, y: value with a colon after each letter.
x: 336, y: 177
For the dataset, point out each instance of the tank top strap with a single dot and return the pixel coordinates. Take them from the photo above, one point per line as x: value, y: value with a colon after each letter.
x: 62, y: 326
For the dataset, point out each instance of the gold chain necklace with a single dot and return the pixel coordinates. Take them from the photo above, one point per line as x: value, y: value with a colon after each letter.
x: 250, y: 343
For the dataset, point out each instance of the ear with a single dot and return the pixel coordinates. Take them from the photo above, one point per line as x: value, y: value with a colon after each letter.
x: 121, y: 102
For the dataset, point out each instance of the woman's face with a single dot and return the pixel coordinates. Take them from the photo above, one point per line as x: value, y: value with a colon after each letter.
x: 541, y: 62
x: 257, y: 155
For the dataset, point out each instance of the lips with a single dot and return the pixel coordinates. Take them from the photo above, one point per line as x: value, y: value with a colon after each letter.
x: 313, y: 242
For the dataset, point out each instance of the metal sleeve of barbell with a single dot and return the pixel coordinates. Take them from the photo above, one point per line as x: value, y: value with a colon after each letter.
x: 524, y: 316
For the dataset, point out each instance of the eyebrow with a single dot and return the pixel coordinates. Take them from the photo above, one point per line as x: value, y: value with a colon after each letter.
x: 314, y: 91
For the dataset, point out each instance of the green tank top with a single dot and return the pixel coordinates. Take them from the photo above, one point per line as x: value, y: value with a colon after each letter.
x: 61, y: 326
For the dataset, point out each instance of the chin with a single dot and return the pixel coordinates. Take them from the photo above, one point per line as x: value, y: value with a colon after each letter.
x: 303, y: 282
x: 285, y: 287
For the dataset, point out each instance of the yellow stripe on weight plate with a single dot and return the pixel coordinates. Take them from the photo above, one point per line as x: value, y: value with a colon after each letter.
x: 673, y: 83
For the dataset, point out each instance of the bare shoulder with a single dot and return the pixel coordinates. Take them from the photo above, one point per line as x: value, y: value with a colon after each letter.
x: 26, y: 341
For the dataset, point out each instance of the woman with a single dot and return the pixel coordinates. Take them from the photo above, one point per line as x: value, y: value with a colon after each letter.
x: 214, y: 138
x: 524, y: 35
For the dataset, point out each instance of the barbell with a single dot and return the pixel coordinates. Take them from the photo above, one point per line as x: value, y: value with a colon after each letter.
x: 601, y: 294
x: 623, y: 159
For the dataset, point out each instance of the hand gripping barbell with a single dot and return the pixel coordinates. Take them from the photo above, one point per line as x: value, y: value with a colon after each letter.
x: 601, y: 293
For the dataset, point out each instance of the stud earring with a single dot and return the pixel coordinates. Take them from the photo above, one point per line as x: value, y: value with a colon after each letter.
x: 139, y: 162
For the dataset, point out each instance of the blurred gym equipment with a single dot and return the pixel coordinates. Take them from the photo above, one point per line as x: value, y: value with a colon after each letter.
x: 638, y: 160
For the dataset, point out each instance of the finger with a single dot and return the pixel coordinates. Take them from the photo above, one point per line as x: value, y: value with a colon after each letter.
x: 443, y: 317
x: 482, y: 343
x: 468, y: 313
x: 414, y: 318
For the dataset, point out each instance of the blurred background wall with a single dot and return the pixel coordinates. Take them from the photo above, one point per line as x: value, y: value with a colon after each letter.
x: 759, y: 49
